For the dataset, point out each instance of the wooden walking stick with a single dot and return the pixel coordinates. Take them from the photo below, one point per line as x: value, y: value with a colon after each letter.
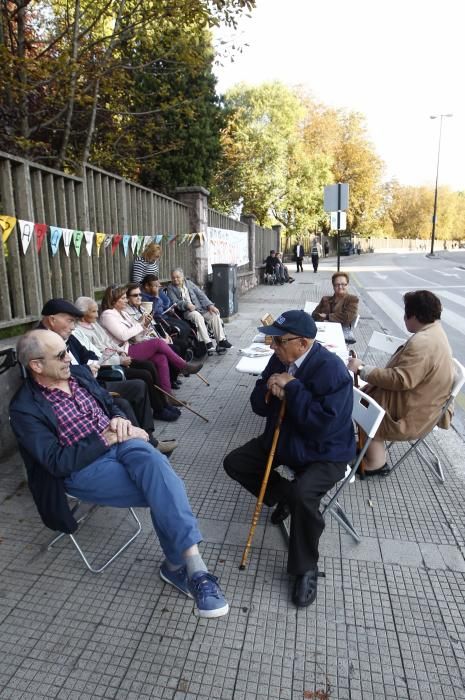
x: 361, y: 437
x: 181, y: 403
x: 266, y: 476
x: 202, y: 378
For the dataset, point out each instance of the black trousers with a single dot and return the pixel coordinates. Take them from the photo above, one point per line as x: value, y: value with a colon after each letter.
x: 315, y: 261
x: 247, y: 465
x: 135, y: 392
x: 142, y: 369
x: 299, y: 264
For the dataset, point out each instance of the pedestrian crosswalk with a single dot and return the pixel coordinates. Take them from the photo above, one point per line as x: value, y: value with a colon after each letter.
x: 392, y: 305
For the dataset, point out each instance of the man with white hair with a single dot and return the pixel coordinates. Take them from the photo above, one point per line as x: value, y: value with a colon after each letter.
x: 195, y: 306
x: 74, y: 440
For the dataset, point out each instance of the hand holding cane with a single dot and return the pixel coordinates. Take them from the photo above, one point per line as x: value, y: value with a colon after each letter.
x: 266, y: 476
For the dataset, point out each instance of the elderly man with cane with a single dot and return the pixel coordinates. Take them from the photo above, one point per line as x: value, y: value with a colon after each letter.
x: 316, y: 439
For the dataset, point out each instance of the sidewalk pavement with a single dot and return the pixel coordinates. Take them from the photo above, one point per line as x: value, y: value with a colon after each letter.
x: 389, y: 620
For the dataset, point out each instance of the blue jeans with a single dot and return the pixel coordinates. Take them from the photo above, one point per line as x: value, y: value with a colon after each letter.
x: 133, y: 473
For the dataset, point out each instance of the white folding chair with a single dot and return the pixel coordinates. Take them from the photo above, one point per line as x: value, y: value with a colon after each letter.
x: 81, y: 520
x: 384, y: 343
x: 310, y: 306
x: 367, y: 414
x: 356, y: 322
x: 432, y: 461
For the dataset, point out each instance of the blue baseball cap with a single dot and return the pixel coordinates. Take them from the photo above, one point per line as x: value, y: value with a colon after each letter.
x: 298, y: 322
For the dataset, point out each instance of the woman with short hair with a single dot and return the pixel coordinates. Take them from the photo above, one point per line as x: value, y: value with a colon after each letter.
x: 147, y: 263
x: 340, y: 307
x: 416, y: 382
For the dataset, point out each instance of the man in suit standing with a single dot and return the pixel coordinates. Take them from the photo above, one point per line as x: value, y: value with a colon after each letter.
x: 299, y: 255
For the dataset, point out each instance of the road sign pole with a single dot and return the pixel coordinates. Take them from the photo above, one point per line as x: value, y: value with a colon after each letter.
x: 338, y: 226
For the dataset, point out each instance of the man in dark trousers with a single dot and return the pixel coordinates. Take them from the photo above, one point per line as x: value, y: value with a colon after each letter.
x: 316, y: 440
x: 299, y: 255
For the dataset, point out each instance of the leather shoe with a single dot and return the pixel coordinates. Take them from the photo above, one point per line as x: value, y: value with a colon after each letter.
x: 382, y: 471
x: 280, y: 513
x: 192, y: 367
x: 305, y: 588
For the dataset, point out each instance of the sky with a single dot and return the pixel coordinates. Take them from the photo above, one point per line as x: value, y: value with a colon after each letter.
x: 396, y: 62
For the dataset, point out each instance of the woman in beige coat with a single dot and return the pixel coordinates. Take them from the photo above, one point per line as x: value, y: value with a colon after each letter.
x: 416, y: 382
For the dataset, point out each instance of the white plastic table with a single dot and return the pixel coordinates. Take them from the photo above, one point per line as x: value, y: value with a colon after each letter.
x: 330, y: 335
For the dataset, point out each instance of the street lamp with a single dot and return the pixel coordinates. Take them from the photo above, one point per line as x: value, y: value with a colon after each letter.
x: 440, y: 117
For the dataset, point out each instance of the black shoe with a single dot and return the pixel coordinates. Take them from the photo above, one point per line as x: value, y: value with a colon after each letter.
x: 224, y: 344
x: 220, y: 350
x: 176, y: 384
x: 192, y: 367
x: 280, y: 513
x: 167, y: 414
x: 382, y: 471
x: 305, y: 588
x: 291, y: 280
x: 209, y: 347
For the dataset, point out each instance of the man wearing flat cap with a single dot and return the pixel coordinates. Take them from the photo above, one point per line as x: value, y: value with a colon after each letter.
x: 316, y: 439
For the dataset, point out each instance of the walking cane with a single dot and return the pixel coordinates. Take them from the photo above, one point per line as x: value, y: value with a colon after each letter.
x: 202, y: 378
x: 181, y: 403
x: 266, y: 476
x: 360, y: 436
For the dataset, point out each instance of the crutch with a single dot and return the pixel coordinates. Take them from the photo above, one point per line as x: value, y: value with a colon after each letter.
x: 266, y: 476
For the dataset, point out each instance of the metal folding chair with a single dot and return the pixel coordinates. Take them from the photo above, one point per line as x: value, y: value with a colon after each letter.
x: 367, y: 414
x: 431, y: 460
x: 81, y: 520
x: 384, y: 343
x: 310, y: 307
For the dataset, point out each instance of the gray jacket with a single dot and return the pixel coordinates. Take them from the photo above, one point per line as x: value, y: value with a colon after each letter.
x: 198, y: 297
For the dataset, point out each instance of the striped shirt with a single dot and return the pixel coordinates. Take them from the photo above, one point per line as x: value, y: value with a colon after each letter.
x: 141, y: 268
x: 78, y: 414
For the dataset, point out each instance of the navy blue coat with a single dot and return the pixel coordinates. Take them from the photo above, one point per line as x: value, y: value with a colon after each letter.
x: 317, y: 425
x: 48, y: 463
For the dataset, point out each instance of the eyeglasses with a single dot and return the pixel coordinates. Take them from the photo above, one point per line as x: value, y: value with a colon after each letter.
x: 59, y: 356
x: 135, y: 295
x: 282, y: 341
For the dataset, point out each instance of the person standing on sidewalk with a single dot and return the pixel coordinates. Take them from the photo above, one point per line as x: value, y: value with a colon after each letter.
x: 299, y: 254
x: 315, y: 253
x: 316, y: 439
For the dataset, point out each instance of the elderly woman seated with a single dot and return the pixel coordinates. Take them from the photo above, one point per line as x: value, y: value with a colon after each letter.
x: 340, y: 307
x: 95, y: 338
x: 416, y: 382
x: 136, y: 339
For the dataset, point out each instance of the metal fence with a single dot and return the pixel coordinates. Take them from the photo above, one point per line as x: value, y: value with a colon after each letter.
x: 99, y: 202
x: 266, y: 239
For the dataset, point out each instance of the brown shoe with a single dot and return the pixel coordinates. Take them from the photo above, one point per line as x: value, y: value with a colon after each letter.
x: 166, y: 447
x: 192, y: 367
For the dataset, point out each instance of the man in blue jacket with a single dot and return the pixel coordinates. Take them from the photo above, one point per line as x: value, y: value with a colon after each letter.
x: 316, y: 439
x: 74, y: 440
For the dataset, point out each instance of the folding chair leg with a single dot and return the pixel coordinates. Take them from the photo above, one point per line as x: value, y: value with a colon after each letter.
x: 435, y: 467
x: 339, y: 514
x: 114, y: 556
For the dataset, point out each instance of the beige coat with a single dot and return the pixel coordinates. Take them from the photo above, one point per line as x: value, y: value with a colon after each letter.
x: 343, y: 310
x: 414, y: 385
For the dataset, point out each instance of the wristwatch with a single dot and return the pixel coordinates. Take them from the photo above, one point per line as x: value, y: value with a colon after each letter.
x: 359, y: 370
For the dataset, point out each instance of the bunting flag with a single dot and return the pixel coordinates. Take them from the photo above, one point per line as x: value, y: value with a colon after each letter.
x: 26, y: 229
x: 134, y: 241
x: 55, y: 237
x: 184, y: 238
x: 7, y: 224
x: 171, y: 238
x: 192, y: 238
x: 99, y: 238
x: 108, y: 240
x: 158, y: 238
x: 89, y: 237
x: 147, y: 240
x: 67, y: 238
x: 41, y: 231
x: 116, y: 239
x: 77, y: 240
x: 140, y: 240
x: 126, y: 238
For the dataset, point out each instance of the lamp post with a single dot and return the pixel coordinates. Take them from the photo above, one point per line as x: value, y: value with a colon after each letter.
x: 435, y: 207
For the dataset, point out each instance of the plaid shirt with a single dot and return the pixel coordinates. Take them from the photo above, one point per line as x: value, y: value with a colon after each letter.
x: 77, y: 414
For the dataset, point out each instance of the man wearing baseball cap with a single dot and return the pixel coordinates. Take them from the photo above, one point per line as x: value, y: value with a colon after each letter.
x: 316, y: 439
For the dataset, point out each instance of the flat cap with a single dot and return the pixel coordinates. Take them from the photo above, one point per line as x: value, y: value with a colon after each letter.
x: 61, y: 306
